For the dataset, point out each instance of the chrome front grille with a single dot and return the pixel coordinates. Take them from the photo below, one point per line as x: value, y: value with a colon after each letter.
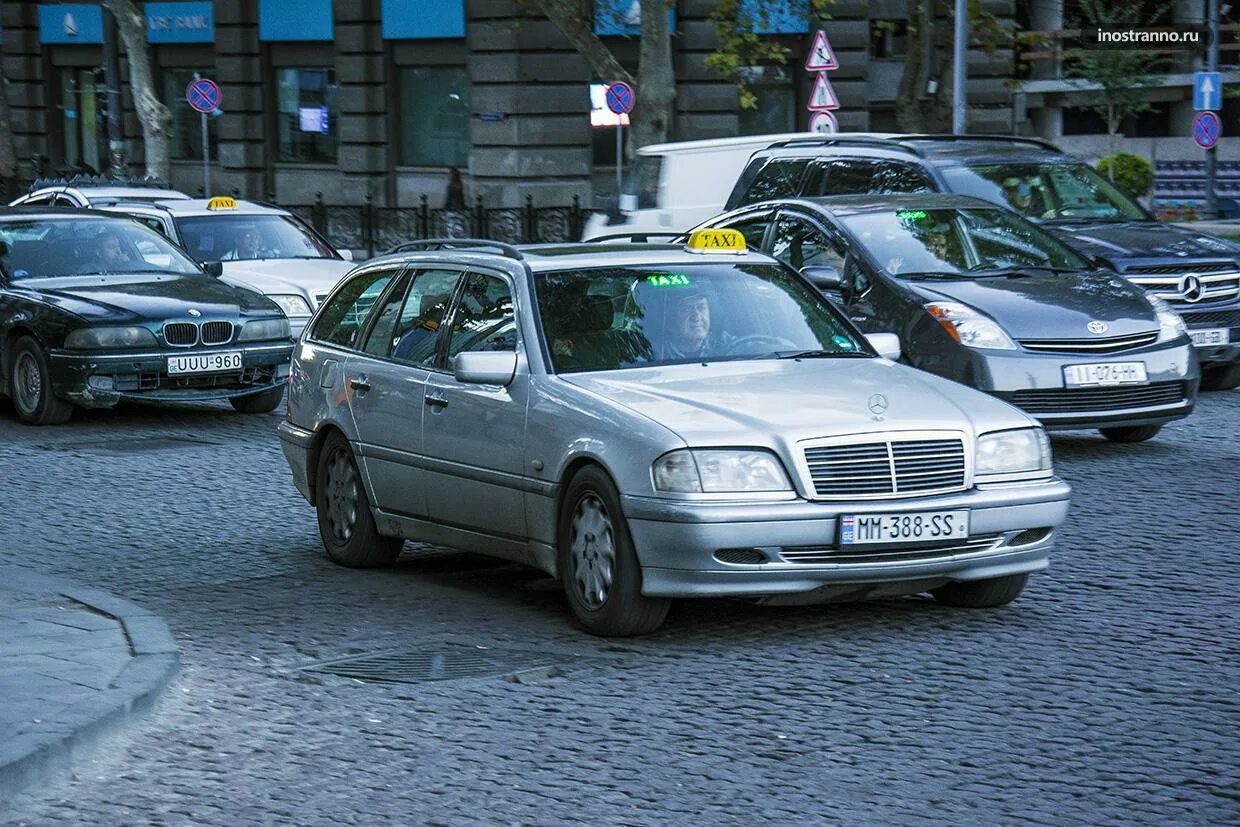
x: 1109, y: 344
x: 897, y: 467
x: 181, y: 334
x: 217, y: 333
x: 820, y: 555
x: 1188, y: 285
x: 1213, y: 318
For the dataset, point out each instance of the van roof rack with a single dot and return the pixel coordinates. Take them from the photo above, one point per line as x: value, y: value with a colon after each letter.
x: 87, y: 181
x: 506, y: 250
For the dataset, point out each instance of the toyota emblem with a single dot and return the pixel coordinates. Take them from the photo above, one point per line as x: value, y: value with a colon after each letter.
x: 194, y: 313
x: 1097, y: 328
x: 878, y: 404
x: 1190, y: 288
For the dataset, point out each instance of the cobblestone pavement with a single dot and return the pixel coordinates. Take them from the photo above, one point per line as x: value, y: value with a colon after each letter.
x: 1106, y: 694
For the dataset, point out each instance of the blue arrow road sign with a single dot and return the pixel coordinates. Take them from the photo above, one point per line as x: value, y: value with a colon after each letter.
x: 1207, y: 91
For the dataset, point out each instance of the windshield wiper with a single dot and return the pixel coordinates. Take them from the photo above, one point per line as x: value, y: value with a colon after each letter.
x: 932, y: 275
x: 820, y: 354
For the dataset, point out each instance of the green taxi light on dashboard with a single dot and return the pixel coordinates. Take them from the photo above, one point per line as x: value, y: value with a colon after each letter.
x: 667, y: 280
x: 911, y: 215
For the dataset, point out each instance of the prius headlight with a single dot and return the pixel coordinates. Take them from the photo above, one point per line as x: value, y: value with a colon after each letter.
x: 291, y: 305
x: 1024, y: 451
x: 96, y: 338
x: 968, y: 327
x: 1170, y: 325
x: 719, y: 472
x: 264, y: 329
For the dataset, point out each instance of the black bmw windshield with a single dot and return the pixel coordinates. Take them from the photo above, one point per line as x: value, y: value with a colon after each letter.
x: 623, y: 317
x: 66, y: 246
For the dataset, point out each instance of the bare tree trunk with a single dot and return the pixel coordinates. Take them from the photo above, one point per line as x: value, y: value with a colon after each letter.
x: 656, y: 81
x: 155, y: 118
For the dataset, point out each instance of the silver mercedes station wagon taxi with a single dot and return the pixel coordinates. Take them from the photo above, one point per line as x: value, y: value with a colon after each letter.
x: 649, y: 421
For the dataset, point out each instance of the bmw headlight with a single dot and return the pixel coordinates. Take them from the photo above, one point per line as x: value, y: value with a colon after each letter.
x: 968, y: 327
x: 1170, y: 325
x: 97, y: 338
x: 291, y: 305
x: 264, y: 329
x: 1024, y: 451
x: 719, y: 472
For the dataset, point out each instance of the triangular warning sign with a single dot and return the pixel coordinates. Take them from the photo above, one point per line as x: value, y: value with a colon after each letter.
x: 821, y: 57
x: 823, y: 96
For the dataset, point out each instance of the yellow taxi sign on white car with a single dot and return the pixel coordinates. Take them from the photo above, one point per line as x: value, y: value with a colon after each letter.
x: 716, y: 241
x: 222, y: 202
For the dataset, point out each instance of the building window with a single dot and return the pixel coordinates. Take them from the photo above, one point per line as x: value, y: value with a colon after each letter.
x: 434, y: 104
x: 776, y: 109
x: 888, y: 38
x: 306, y: 115
x: 185, y: 143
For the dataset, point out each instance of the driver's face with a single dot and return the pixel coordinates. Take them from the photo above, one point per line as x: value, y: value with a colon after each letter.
x: 693, y: 321
x: 248, y: 241
x: 110, y: 249
x: 937, y: 245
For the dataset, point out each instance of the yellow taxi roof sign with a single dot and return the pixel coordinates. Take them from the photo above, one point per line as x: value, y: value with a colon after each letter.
x: 222, y: 202
x: 716, y: 241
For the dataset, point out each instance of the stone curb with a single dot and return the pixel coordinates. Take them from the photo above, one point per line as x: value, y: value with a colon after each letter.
x: 40, y: 758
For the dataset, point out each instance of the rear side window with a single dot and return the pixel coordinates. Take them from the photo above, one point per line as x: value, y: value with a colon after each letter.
x: 780, y: 178
x: 343, y: 317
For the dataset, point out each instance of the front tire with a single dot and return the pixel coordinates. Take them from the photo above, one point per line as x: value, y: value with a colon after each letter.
x: 981, y: 594
x: 30, y: 386
x: 599, y: 570
x: 1131, y: 433
x: 346, y: 524
x: 1225, y: 378
x: 258, y: 403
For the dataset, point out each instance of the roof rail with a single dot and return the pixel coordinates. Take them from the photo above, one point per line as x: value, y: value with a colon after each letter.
x: 941, y: 136
x: 635, y: 237
x: 845, y: 140
x: 148, y: 182
x: 506, y: 250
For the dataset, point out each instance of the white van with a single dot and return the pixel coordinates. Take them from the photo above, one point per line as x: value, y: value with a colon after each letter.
x: 673, y: 187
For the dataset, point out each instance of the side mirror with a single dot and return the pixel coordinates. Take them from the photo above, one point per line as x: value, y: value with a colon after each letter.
x: 827, y: 279
x: 887, y: 344
x: 485, y: 367
x: 347, y: 255
x: 214, y: 268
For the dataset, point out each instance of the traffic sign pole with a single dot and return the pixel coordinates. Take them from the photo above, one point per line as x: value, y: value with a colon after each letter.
x: 620, y: 99
x: 204, y: 96
x: 1212, y: 152
x: 206, y: 159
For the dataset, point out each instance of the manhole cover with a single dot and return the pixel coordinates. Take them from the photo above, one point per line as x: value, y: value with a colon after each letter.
x: 440, y: 664
x: 129, y: 446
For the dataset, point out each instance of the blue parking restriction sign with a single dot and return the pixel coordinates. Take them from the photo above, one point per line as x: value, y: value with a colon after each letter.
x: 203, y: 95
x: 1207, y: 91
x: 1206, y: 129
x: 620, y: 97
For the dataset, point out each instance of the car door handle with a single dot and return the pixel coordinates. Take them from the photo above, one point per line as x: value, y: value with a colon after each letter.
x: 359, y: 384
x: 436, y: 400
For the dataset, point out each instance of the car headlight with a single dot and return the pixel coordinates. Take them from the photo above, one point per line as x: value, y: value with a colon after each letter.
x: 1170, y: 325
x: 1020, y: 451
x: 95, y: 338
x: 719, y: 472
x: 291, y: 305
x: 264, y: 329
x: 970, y: 328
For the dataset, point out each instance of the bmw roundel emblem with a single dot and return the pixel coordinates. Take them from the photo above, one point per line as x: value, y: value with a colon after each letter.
x: 195, y: 313
x: 1097, y: 328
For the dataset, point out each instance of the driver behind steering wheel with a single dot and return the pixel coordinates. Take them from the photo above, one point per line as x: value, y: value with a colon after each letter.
x: 687, y: 332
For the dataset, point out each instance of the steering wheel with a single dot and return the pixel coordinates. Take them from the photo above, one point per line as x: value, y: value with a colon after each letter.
x: 745, y: 342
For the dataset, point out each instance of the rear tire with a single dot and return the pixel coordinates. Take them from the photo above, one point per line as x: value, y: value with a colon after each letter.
x: 981, y: 594
x: 257, y: 403
x: 1131, y: 433
x: 599, y: 571
x: 1225, y: 378
x: 30, y: 386
x: 346, y: 524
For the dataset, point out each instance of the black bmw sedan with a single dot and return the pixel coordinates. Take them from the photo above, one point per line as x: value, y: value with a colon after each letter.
x: 980, y: 295
x: 95, y: 308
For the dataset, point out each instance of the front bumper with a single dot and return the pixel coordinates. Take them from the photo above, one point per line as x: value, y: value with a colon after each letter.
x: 679, y: 544
x: 1034, y: 382
x: 100, y: 380
x: 1212, y: 356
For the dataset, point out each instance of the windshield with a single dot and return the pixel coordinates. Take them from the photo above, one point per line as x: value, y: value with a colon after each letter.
x: 51, y: 247
x: 625, y: 317
x: 962, y: 243
x: 1046, y: 191
x: 237, y: 237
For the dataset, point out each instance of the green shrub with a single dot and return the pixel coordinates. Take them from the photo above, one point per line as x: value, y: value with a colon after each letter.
x: 1131, y: 173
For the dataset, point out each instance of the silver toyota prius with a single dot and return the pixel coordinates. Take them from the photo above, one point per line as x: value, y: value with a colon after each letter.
x: 651, y: 421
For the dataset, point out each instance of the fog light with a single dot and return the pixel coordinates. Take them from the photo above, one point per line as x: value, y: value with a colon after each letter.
x: 100, y: 383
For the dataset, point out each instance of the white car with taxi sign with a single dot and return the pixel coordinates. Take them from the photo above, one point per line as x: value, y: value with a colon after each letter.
x: 262, y: 247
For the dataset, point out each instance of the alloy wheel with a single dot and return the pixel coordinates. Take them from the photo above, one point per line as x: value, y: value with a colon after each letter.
x: 592, y: 541
x: 342, y: 496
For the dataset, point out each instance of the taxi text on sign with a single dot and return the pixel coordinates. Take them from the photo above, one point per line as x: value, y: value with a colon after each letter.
x: 716, y: 241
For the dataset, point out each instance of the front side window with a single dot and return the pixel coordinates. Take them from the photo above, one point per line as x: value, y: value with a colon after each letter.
x: 753, y: 228
x: 963, y: 243
x: 417, y: 331
x: 342, y: 318
x: 241, y: 237
x: 484, y: 317
x: 306, y: 115
x: 800, y: 244
x: 626, y: 317
x: 51, y: 247
x: 1046, y: 191
x: 434, y: 130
